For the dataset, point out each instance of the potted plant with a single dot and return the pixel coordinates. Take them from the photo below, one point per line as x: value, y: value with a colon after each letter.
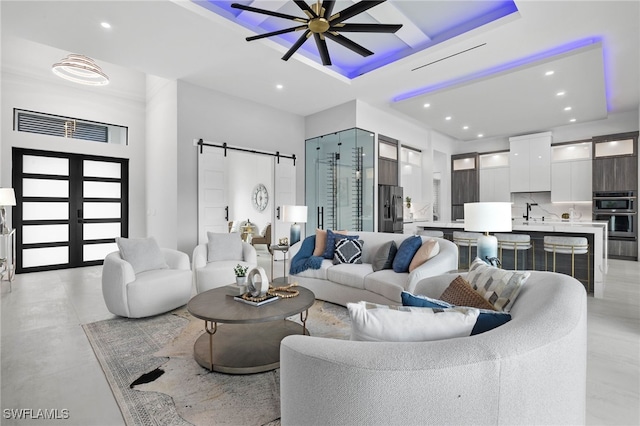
x: 241, y: 274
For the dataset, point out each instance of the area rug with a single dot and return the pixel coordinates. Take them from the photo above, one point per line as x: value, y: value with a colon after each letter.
x: 150, y: 367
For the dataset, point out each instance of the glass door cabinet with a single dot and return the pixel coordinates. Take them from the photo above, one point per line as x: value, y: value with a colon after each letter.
x: 339, y: 181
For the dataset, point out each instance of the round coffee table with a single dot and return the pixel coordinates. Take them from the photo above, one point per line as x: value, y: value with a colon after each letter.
x: 248, y: 340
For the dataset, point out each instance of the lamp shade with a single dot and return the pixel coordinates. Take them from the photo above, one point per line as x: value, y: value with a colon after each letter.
x: 487, y: 217
x: 295, y: 214
x: 7, y: 197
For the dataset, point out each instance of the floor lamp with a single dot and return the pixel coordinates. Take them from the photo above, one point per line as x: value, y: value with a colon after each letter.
x: 296, y: 215
x: 487, y: 217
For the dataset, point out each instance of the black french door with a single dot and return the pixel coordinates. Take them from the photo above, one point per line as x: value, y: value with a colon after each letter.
x: 69, y: 208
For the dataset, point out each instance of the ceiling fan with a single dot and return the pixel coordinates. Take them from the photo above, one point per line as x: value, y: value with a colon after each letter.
x: 322, y: 24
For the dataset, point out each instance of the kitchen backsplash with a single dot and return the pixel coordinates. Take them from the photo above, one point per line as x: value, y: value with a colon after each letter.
x: 545, y: 208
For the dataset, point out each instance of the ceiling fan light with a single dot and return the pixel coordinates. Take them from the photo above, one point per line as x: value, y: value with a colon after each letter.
x: 80, y: 69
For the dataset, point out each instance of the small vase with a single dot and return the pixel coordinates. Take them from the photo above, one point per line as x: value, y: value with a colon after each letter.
x: 241, y: 280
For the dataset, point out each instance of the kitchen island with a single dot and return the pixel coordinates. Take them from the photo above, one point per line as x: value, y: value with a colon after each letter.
x: 595, y: 232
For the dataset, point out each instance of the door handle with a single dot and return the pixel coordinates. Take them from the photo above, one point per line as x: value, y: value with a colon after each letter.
x: 226, y: 213
x: 278, y: 212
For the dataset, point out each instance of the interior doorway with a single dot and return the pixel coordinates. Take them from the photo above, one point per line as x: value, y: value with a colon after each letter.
x: 69, y: 208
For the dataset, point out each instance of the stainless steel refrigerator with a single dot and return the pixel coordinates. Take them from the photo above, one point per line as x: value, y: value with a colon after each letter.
x: 390, y: 208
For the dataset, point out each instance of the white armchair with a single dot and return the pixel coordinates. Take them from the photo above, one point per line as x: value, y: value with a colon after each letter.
x: 213, y: 262
x: 151, y: 292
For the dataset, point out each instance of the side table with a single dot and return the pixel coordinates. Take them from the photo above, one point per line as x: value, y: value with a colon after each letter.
x: 8, y: 256
x: 284, y: 249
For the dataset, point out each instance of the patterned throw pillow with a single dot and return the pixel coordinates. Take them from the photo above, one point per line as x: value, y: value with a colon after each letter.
x: 332, y: 236
x: 382, y: 323
x: 348, y: 251
x: 487, y: 320
x: 461, y: 293
x: 384, y: 256
x: 427, y: 250
x: 498, y: 286
x: 405, y: 253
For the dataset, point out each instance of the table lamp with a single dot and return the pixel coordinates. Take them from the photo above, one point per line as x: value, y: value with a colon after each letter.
x: 7, y: 198
x: 487, y: 217
x: 296, y: 215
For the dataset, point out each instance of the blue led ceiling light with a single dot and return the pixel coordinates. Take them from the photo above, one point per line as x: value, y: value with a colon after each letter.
x: 425, y: 24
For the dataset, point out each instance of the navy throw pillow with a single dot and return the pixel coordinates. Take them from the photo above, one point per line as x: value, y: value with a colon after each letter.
x: 332, y: 238
x: 405, y: 253
x: 487, y: 320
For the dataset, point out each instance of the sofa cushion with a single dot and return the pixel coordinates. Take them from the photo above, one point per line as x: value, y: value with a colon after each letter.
x: 348, y: 251
x: 406, y: 251
x: 144, y: 254
x: 386, y: 283
x: 321, y: 242
x: 383, y: 323
x: 487, y: 319
x: 320, y: 273
x: 427, y: 250
x: 350, y: 275
x: 224, y: 246
x: 498, y: 286
x: 330, y: 247
x: 461, y: 293
x: 384, y: 256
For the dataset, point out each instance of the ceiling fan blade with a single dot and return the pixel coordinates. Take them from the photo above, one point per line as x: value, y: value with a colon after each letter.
x: 306, y: 8
x: 287, y: 30
x: 268, y: 12
x: 327, y: 5
x: 297, y: 45
x: 349, y: 44
x: 354, y: 10
x: 322, y: 49
x: 366, y: 28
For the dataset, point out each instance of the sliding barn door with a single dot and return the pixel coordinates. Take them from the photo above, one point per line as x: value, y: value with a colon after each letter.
x: 213, y: 203
x: 284, y: 184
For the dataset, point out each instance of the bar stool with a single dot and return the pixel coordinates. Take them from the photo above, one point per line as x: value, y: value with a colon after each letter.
x: 515, y: 242
x: 431, y: 233
x: 466, y: 239
x: 567, y: 245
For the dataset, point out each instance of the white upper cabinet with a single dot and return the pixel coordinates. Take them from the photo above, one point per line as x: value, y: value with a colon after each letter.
x: 494, y: 177
x: 530, y: 163
x: 571, y: 172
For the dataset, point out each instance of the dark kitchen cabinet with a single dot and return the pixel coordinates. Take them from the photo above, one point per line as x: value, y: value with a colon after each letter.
x: 465, y: 183
x: 615, y: 162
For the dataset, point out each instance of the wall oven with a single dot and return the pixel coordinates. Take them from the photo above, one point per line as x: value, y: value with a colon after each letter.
x: 619, y: 209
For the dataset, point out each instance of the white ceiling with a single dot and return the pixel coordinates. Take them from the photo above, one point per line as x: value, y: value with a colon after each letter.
x: 494, y: 82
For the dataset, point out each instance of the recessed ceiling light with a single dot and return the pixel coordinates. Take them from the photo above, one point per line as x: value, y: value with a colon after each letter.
x: 105, y: 25
x: 426, y: 105
x: 480, y: 135
x: 548, y: 73
x: 448, y: 118
x: 465, y: 127
x: 573, y: 120
x: 567, y: 108
x: 562, y: 93
x: 279, y: 86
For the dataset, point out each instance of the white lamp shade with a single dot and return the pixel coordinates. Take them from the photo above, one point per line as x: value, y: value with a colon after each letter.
x: 487, y: 217
x: 7, y: 197
x: 294, y: 214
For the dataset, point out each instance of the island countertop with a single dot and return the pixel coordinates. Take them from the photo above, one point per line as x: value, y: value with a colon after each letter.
x: 599, y: 230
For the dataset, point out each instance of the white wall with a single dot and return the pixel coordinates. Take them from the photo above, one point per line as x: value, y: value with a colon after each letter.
x: 216, y: 117
x: 242, y: 183
x: 341, y: 117
x: 162, y: 168
x: 52, y: 95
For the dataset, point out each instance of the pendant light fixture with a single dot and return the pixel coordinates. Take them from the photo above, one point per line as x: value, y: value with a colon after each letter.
x: 80, y: 69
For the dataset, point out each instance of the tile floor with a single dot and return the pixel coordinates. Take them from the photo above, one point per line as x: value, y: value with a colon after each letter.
x: 47, y: 361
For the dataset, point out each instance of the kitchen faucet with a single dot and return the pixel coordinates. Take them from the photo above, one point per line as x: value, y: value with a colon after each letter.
x: 527, y: 210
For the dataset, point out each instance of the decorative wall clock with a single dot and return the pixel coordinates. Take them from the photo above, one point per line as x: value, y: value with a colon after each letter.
x: 260, y: 197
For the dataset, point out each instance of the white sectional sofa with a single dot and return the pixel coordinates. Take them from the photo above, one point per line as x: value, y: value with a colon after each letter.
x: 346, y: 283
x: 529, y: 371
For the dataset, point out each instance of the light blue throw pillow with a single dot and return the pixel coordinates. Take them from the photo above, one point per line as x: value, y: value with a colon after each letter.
x: 405, y: 253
